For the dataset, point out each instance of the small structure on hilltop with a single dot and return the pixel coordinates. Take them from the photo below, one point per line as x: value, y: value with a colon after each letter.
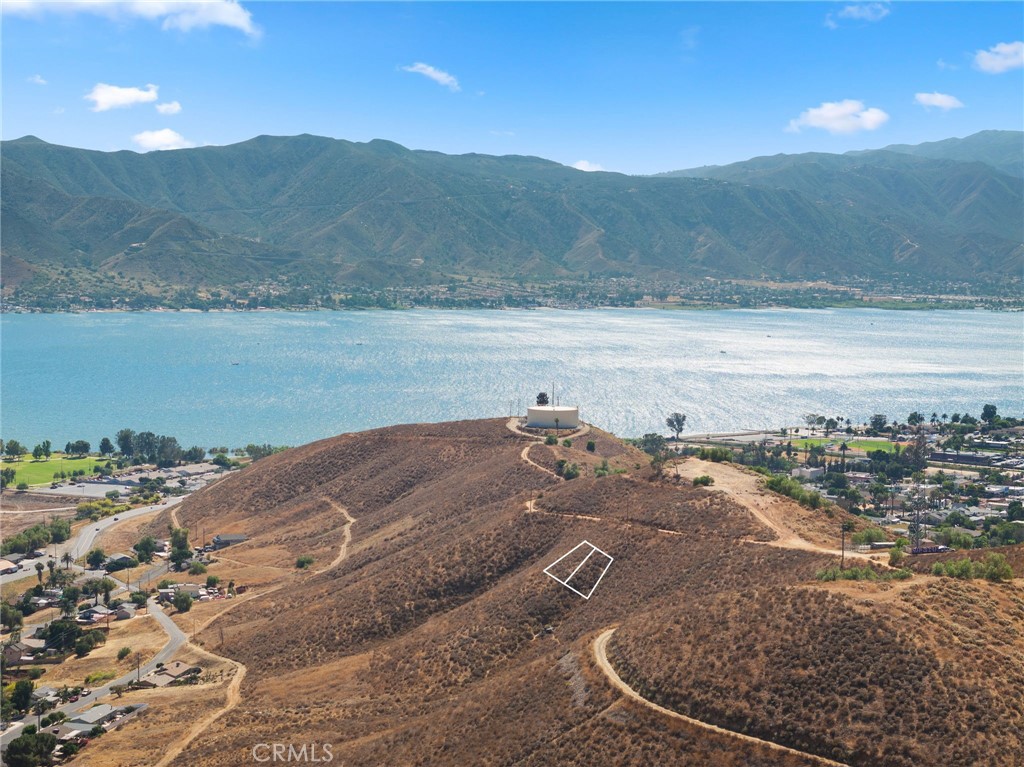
x: 552, y: 417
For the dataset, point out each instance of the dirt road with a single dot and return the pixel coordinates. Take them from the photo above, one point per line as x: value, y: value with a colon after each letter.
x: 600, y: 648
x: 773, y: 511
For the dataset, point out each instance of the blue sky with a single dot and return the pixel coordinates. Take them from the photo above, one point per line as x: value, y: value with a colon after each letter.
x: 629, y: 87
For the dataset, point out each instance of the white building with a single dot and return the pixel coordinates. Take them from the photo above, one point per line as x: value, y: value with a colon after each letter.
x: 544, y: 417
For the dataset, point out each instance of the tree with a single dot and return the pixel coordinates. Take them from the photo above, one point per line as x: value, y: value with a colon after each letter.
x: 652, y: 444
x: 168, y: 451
x: 879, y: 421
x: 898, y: 552
x: 126, y: 442
x: 14, y: 449
x: 145, y: 444
x: 95, y: 558
x: 68, y: 559
x: 10, y: 617
x: 37, y: 452
x: 194, y: 454
x: 21, y: 697
x: 542, y: 398
x: 182, y: 601
x: 106, y: 446
x: 145, y: 548
x: 39, y: 571
x: 30, y: 750
x: 1015, y: 511
x: 7, y: 476
x: 830, y: 426
x: 676, y: 422
x: 915, y: 419
x: 988, y: 413
x: 956, y: 442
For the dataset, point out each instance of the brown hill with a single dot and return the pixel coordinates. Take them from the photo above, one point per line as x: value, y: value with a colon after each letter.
x: 424, y: 641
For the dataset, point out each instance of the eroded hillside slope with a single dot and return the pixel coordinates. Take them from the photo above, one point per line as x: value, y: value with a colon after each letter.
x: 439, y: 639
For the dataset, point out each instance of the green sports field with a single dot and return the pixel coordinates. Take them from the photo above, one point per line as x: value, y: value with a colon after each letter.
x: 856, y: 444
x: 41, y: 472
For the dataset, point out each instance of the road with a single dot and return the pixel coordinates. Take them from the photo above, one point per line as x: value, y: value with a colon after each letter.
x: 601, y: 657
x: 175, y: 639
x: 79, y: 545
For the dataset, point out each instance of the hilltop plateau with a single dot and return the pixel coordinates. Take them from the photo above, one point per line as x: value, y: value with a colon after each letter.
x: 427, y: 632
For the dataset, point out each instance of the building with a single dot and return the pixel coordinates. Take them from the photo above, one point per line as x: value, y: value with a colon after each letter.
x: 7, y: 567
x: 807, y: 473
x: 228, y: 539
x: 545, y: 417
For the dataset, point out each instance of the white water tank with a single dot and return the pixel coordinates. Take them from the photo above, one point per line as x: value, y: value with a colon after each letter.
x: 543, y: 417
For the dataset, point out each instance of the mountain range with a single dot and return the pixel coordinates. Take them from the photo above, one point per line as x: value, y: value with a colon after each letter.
x: 314, y: 209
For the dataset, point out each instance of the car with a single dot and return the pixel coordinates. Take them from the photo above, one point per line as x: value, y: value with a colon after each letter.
x: 116, y: 518
x: 86, y: 691
x: 97, y: 529
x: 74, y: 698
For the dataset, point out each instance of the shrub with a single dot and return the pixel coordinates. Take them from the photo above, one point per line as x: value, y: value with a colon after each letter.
x: 35, y: 672
x: 869, y: 535
x: 715, y: 454
x: 23, y: 485
x: 182, y: 601
x: 123, y: 653
x: 551, y: 439
x: 196, y: 568
x: 102, y: 676
x: 566, y: 443
x: 212, y: 581
x: 591, y: 446
x: 997, y: 569
x: 571, y: 471
x: 703, y: 480
x: 304, y: 561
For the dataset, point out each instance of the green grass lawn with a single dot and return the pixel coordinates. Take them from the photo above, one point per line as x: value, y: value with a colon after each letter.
x: 41, y: 472
x: 856, y: 444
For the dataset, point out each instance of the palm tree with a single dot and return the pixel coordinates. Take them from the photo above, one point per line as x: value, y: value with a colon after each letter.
x: 842, y: 449
x: 67, y: 559
x: 53, y: 566
x: 39, y: 572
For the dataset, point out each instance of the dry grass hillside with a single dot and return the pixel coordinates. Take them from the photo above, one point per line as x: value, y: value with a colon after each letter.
x: 437, y: 638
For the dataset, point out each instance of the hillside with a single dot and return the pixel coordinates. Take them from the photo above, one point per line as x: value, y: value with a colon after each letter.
x: 1002, y: 149
x: 329, y: 212
x: 419, y: 635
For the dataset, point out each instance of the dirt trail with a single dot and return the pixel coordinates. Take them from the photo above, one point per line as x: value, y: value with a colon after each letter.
x: 600, y: 648
x: 769, y: 509
x: 234, y: 689
x: 525, y: 455
x: 532, y: 509
x: 346, y: 537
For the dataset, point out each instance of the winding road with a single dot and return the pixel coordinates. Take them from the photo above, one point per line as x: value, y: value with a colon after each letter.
x: 600, y: 648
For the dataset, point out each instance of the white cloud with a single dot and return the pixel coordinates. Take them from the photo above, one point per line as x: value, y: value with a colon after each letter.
x: 941, y: 64
x: 1000, y: 58
x: 865, y: 12
x: 586, y: 165
x: 106, y: 96
x: 37, y: 80
x: 170, y: 108
x: 439, y: 76
x: 161, y: 139
x: 184, y: 15
x: 847, y: 116
x: 942, y: 101
x: 861, y: 12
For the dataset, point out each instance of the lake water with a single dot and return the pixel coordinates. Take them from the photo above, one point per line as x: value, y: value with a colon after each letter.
x: 304, y: 376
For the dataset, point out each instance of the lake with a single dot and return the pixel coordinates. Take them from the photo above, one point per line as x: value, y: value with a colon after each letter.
x: 293, y: 377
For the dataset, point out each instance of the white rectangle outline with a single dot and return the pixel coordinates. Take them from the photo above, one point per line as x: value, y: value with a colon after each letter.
x: 565, y: 583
